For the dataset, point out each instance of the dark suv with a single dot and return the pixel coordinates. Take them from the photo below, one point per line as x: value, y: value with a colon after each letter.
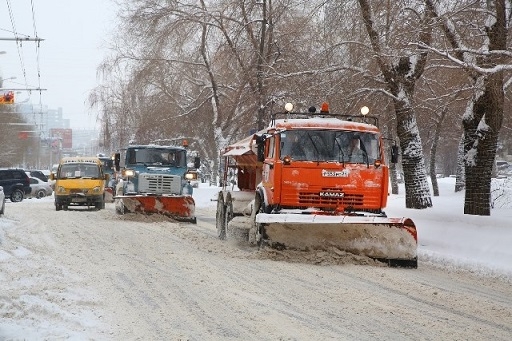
x: 15, y: 182
x: 37, y: 174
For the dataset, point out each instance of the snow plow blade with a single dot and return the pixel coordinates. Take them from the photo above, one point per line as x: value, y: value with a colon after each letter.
x: 180, y: 208
x: 389, y: 240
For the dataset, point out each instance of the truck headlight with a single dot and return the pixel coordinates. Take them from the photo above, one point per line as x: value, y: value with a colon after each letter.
x: 128, y: 173
x: 96, y: 189
x: 190, y: 176
x: 61, y: 189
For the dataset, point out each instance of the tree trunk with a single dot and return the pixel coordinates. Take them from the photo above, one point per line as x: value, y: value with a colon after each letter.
x: 259, y: 69
x: 482, y: 127
x: 433, y: 152
x: 433, y: 174
x: 480, y: 142
x: 417, y: 192
x: 460, y: 176
x: 394, y: 180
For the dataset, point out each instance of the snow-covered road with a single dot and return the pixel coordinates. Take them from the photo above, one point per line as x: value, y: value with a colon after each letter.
x: 96, y: 275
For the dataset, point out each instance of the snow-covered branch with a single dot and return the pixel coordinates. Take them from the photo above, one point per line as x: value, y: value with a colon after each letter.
x: 467, y: 65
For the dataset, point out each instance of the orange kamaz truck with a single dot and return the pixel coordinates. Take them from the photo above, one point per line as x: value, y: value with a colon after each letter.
x: 314, y: 180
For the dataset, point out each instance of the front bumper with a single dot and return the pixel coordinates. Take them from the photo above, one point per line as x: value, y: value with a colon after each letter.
x: 78, y: 199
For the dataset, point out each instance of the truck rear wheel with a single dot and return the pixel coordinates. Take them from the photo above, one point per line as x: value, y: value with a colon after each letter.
x: 228, y: 216
x: 221, y: 217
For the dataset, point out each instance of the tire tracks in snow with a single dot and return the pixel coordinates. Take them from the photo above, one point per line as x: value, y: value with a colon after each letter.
x: 135, y: 277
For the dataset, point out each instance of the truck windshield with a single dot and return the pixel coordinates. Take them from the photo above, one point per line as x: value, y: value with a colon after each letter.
x: 330, y: 145
x: 157, y: 157
x: 79, y: 170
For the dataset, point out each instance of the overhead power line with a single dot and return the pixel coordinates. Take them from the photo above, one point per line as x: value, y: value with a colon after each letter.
x: 18, y: 39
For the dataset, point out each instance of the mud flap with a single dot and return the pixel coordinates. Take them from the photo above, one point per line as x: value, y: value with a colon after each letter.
x: 390, y: 240
x: 181, y: 208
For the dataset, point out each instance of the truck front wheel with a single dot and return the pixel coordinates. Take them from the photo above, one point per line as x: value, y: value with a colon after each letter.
x: 255, y: 233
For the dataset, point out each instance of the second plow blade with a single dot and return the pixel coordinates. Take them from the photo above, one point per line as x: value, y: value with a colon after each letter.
x: 180, y: 208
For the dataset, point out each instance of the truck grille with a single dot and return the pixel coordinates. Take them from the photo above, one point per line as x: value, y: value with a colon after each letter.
x: 159, y: 184
x: 78, y: 191
x: 314, y: 199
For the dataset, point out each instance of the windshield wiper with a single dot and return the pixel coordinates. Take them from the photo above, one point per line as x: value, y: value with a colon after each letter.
x: 314, y: 146
x: 365, y: 153
x: 340, y: 151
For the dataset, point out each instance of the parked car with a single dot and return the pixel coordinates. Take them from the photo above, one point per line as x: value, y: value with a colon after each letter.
x: 40, y: 189
x: 2, y: 200
x: 15, y: 182
x: 38, y: 174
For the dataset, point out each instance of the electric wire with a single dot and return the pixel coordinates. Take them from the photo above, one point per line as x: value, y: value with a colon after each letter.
x: 19, y: 46
x: 19, y: 43
x: 37, y: 46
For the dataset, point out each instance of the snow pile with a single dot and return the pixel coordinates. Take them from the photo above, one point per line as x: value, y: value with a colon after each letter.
x: 446, y: 236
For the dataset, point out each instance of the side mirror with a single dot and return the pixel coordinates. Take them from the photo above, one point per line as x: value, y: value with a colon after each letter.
x: 197, y: 162
x: 117, y: 161
x: 260, y: 145
x: 107, y: 177
x: 394, y: 154
x: 52, y: 176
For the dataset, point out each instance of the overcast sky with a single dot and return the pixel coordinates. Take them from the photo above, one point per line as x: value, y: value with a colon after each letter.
x: 76, y: 35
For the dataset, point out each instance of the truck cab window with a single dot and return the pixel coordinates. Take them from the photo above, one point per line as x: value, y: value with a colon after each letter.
x: 329, y: 145
x: 271, y: 147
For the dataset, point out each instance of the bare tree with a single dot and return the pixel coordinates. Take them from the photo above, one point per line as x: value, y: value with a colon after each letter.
x: 211, y: 71
x: 15, y: 140
x: 483, y: 55
x: 400, y: 76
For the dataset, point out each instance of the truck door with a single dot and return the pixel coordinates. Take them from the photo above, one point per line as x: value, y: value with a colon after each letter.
x: 270, y: 180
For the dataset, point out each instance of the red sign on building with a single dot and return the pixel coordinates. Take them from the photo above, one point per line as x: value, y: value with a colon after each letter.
x: 65, y: 134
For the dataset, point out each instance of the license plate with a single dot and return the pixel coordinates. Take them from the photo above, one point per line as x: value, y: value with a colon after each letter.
x: 79, y: 200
